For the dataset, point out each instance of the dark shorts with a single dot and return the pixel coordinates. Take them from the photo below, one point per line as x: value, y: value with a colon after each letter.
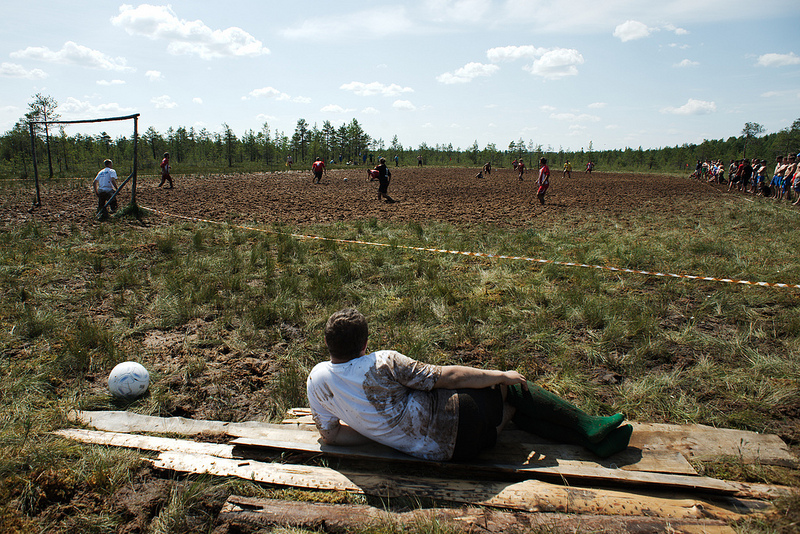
x: 383, y: 185
x: 480, y: 412
x: 318, y: 175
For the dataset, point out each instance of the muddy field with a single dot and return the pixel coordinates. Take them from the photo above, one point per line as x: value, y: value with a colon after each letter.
x: 453, y: 195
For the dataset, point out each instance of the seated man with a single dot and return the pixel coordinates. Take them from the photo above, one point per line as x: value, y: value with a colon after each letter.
x: 436, y: 412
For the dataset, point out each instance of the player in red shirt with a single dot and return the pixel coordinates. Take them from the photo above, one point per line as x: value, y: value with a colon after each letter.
x: 544, y: 179
x: 318, y: 167
x: 165, y: 176
x: 520, y: 168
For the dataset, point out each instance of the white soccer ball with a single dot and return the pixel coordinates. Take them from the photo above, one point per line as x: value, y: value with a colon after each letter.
x: 345, y: 179
x: 128, y: 380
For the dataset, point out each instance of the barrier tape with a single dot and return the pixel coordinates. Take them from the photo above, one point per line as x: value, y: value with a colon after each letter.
x: 493, y: 256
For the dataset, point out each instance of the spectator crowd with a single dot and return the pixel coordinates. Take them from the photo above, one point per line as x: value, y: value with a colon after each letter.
x: 753, y: 176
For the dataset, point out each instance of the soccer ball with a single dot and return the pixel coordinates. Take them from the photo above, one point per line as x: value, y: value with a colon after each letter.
x: 128, y: 380
x: 345, y: 179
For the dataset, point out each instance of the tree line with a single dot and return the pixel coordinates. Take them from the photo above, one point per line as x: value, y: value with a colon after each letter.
x: 60, y: 154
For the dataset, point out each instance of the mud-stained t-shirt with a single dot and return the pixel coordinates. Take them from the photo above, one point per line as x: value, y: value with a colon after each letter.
x: 389, y: 398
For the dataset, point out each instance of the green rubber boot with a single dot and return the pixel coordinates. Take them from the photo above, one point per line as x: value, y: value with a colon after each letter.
x: 616, y: 441
x: 539, y: 406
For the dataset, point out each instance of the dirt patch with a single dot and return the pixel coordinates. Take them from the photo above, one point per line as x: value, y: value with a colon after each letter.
x: 453, y: 195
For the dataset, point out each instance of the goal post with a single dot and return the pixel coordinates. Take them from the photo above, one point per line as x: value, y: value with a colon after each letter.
x: 131, y: 178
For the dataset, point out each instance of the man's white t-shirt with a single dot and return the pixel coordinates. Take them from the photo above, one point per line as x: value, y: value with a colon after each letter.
x: 389, y: 398
x: 104, y: 178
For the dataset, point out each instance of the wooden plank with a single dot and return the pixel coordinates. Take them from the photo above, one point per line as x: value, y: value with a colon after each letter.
x: 528, y: 495
x: 702, y: 442
x: 707, y: 443
x: 158, y: 444
x: 146, y: 443
x: 570, y: 472
x: 249, y: 513
x: 527, y: 455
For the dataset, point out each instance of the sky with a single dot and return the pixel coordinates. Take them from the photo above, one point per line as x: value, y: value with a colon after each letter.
x: 563, y: 74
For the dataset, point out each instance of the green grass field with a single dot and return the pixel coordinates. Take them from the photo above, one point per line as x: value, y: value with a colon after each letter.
x: 239, y: 316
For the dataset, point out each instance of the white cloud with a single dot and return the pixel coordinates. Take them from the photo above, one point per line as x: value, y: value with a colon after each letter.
x: 72, y: 107
x: 153, y: 75
x: 574, y: 118
x: 692, y: 107
x: 675, y: 29
x: 631, y: 30
x: 404, y: 105
x: 778, y: 60
x: 187, y: 37
x: 375, y: 88
x: 467, y: 73
x: 73, y: 54
x: 163, y: 102
x: 549, y: 63
x: 267, y: 92
x: 110, y: 82
x: 597, y: 105
x: 374, y: 23
x: 462, y: 11
x: 556, y: 64
x: 197, y: 100
x: 687, y: 63
x: 370, y: 111
x: 335, y: 108
x: 12, y: 70
x: 513, y: 53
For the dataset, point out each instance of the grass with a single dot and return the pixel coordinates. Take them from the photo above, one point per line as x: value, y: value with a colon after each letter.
x: 229, y: 322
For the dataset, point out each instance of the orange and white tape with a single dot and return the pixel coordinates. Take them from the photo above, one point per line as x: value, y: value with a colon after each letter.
x: 496, y: 256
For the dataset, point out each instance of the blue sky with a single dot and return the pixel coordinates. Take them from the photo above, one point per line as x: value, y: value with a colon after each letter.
x: 558, y: 73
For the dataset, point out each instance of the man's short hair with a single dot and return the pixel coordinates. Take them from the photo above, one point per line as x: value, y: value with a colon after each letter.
x: 107, y: 163
x: 346, y: 334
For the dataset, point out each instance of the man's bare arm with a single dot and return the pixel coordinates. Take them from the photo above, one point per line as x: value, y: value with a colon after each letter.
x: 460, y: 376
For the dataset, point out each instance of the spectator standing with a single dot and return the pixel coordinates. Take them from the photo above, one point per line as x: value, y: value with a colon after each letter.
x: 520, y: 169
x: 567, y: 170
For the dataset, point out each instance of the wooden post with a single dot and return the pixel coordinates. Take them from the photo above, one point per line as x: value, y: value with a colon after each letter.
x: 38, y: 201
x: 135, y: 157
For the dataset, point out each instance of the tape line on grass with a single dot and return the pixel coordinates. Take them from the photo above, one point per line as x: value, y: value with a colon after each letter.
x: 493, y: 256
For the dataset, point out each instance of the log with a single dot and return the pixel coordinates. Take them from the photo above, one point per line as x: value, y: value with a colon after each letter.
x: 250, y: 513
x: 528, y: 495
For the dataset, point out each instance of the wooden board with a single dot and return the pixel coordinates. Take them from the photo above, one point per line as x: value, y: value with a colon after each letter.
x: 707, y: 443
x: 570, y: 472
x: 249, y: 513
x: 159, y: 444
x: 527, y: 455
x: 528, y: 495
x: 700, y: 442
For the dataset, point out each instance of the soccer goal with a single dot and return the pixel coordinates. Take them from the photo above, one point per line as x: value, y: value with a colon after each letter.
x: 132, y: 178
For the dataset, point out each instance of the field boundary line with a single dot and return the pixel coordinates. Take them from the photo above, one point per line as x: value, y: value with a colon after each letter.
x: 489, y: 255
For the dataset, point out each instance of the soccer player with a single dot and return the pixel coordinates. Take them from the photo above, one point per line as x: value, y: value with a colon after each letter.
x: 318, y: 167
x: 544, y: 179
